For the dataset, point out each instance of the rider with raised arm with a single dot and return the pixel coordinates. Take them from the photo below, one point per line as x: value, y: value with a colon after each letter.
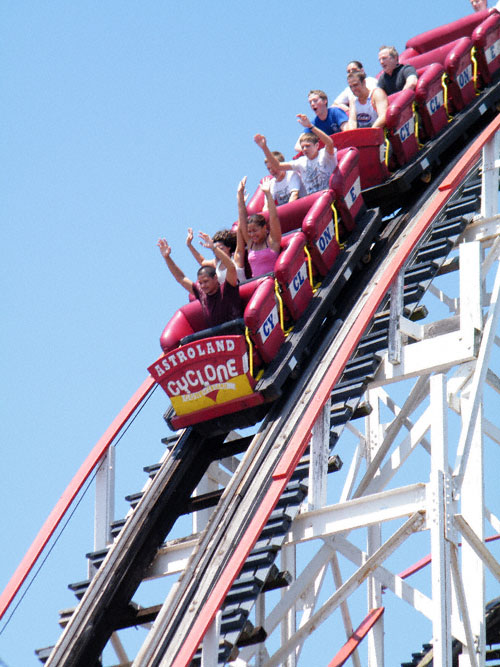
x: 220, y: 303
x: 286, y: 186
x: 262, y: 244
x: 328, y: 119
x: 225, y: 240
x: 316, y: 165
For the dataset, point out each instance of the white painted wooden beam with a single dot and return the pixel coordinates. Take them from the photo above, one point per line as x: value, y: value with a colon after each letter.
x: 478, y: 381
x: 104, y: 501
x: 464, y: 612
x: 413, y: 524
x: 427, y: 356
x: 404, y: 591
x: 368, y: 510
x: 491, y: 563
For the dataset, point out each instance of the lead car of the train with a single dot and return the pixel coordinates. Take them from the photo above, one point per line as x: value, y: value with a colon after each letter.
x: 208, y: 373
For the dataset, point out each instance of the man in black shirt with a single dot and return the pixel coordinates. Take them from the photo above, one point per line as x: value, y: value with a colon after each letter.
x: 395, y: 77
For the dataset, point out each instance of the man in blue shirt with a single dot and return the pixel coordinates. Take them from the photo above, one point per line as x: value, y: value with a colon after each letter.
x: 329, y: 119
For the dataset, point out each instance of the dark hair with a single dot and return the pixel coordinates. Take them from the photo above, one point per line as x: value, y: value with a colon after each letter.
x: 208, y: 270
x: 227, y: 237
x: 279, y: 156
x: 355, y: 62
x: 360, y: 76
x: 257, y: 219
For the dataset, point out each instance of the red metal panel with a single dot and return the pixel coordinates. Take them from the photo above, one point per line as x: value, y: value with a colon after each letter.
x: 263, y: 322
x: 291, y: 273
x: 356, y: 638
x: 446, y: 33
x: 371, y: 146
x: 64, y: 502
x: 460, y: 70
x: 400, y: 122
x: 486, y: 39
x: 429, y: 96
x: 345, y: 183
x: 300, y: 437
x: 319, y: 229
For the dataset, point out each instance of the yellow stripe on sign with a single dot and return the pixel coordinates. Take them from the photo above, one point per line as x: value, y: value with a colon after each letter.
x: 215, y: 394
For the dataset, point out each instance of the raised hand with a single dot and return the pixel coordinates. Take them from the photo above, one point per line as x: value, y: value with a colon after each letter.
x: 206, y: 240
x: 189, y: 238
x: 304, y: 120
x: 165, y: 249
x: 241, y: 187
x: 260, y: 140
x: 265, y: 185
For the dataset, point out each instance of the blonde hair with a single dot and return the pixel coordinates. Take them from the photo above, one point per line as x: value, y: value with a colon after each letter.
x: 308, y: 136
x: 320, y: 93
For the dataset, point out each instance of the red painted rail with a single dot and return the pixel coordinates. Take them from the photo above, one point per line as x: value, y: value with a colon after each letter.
x: 301, y: 435
x: 356, y: 638
x: 423, y: 562
x: 65, y: 501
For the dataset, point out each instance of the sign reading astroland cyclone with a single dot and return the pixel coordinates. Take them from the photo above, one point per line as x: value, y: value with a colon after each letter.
x: 204, y: 373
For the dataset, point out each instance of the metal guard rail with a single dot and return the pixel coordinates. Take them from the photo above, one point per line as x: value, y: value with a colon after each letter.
x: 69, y: 495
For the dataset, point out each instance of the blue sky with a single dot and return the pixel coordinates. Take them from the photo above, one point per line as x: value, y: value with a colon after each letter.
x: 122, y: 122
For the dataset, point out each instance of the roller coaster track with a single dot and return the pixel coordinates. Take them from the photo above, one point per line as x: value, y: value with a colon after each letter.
x: 254, y: 490
x: 180, y: 626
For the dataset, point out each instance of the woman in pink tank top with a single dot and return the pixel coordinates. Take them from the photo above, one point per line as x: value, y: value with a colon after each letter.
x: 263, y: 244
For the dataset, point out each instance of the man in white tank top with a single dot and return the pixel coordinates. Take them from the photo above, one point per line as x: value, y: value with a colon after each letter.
x: 369, y: 107
x: 344, y: 98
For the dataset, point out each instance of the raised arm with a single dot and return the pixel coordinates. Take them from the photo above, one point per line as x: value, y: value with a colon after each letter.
x: 226, y: 261
x: 239, y: 253
x: 380, y: 103
x: 177, y: 273
x: 322, y: 136
x: 242, y: 209
x: 260, y: 140
x: 274, y: 223
x: 189, y: 242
